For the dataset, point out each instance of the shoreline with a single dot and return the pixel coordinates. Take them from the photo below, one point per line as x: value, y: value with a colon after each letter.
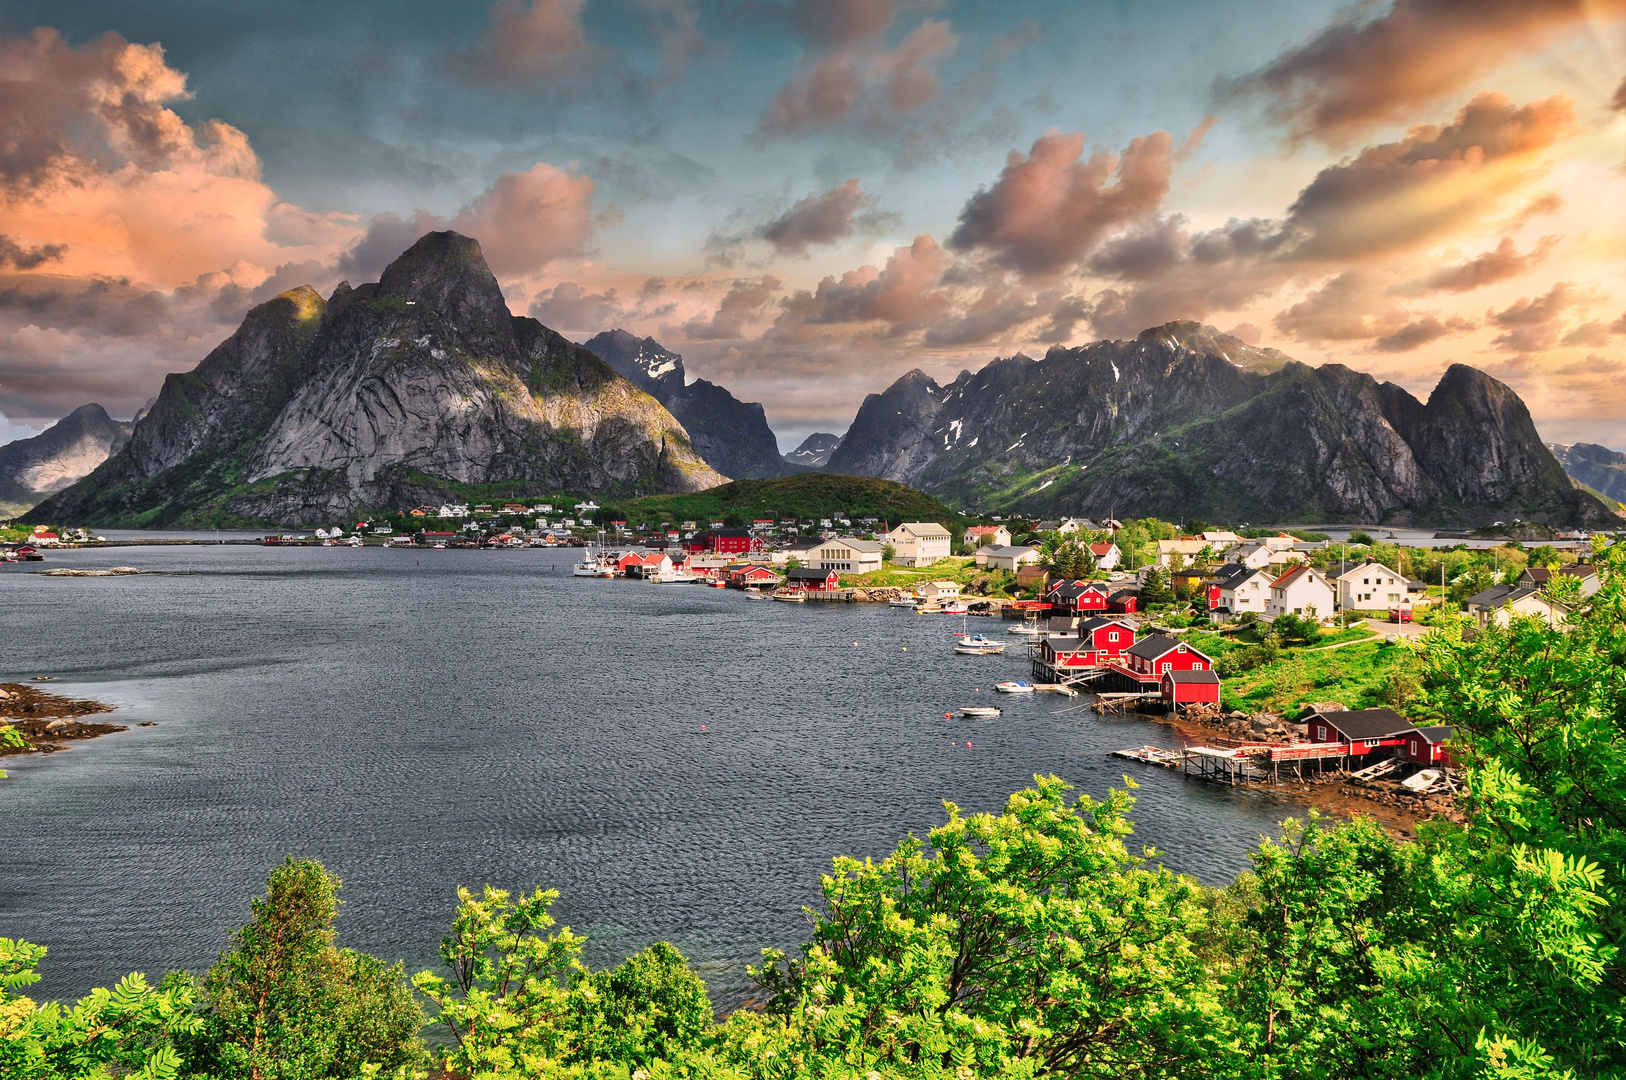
x: 47, y: 721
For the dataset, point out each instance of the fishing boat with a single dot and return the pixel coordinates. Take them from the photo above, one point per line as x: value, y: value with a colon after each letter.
x: 1014, y: 687
x: 977, y: 645
x: 979, y: 710
x: 954, y: 607
x: 593, y: 566
x: 1152, y: 755
x: 790, y: 596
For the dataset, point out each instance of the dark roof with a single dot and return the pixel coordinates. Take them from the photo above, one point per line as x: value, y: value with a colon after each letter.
x: 1207, y: 678
x: 804, y: 573
x: 1438, y: 734
x: 1150, y: 648
x: 1227, y: 574
x: 1491, y: 596
x: 1124, y: 594
x: 1095, y: 622
x: 1541, y: 575
x: 1060, y: 624
x: 1365, y: 723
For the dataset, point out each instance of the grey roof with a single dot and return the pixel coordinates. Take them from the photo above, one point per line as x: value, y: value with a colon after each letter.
x: 857, y: 544
x: 1361, y: 724
x: 1047, y: 526
x: 1203, y: 677
x: 1437, y: 734
x: 803, y: 573
x: 1012, y: 552
x: 1491, y: 597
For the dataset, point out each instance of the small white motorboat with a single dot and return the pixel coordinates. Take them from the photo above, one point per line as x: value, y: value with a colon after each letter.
x: 977, y: 645
x: 1014, y: 687
x: 904, y: 601
x: 979, y: 710
x: 953, y: 607
x: 1027, y: 629
x: 790, y: 596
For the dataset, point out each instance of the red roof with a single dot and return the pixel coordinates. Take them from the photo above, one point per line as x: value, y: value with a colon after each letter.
x: 1101, y: 549
x: 1285, y: 578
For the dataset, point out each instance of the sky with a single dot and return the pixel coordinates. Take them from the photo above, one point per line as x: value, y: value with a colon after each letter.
x: 808, y: 198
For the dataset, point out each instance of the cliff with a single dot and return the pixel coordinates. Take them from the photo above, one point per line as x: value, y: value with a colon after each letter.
x: 731, y: 435
x: 52, y: 460
x: 1186, y: 421
x: 1598, y: 467
x: 384, y: 395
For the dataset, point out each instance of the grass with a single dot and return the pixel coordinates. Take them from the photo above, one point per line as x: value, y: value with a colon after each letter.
x: 805, y: 496
x: 963, y: 571
x: 1358, y: 677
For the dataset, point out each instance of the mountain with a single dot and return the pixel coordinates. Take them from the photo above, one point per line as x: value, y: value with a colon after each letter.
x: 412, y: 389
x: 59, y: 455
x: 1186, y: 421
x: 1598, y: 467
x: 815, y: 451
x: 731, y: 435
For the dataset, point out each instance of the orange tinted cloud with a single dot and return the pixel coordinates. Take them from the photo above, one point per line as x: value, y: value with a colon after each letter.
x: 1050, y: 208
x: 1500, y: 264
x: 818, y: 219
x: 527, y: 41
x: 1361, y: 71
x: 526, y: 220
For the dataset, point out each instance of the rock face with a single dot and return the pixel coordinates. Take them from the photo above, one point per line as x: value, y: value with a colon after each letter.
x: 61, y: 454
x: 731, y: 435
x: 390, y: 394
x: 1186, y: 421
x: 1598, y: 467
x: 815, y: 451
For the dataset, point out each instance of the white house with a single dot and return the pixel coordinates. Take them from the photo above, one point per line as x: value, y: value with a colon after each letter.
x: 1301, y: 591
x: 848, y: 554
x: 1012, y: 558
x: 1369, y: 586
x: 939, y: 590
x: 1529, y: 601
x: 919, y: 543
x: 1221, y: 538
x: 1106, y: 554
x: 978, y: 536
x: 1244, y: 588
x: 1261, y: 553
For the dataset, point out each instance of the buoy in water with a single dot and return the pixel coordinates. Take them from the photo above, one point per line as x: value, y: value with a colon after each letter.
x: 948, y: 716
x: 702, y: 727
x: 968, y: 744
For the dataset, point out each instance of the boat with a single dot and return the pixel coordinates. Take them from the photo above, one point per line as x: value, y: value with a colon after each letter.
x: 977, y: 645
x: 593, y: 566
x: 954, y: 607
x: 1152, y: 755
x: 1025, y: 628
x: 790, y: 596
x: 1014, y: 687
x: 904, y: 601
x: 979, y: 710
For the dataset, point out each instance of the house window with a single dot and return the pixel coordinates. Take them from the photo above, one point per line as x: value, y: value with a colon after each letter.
x: 1414, y: 748
x: 1321, y: 733
x: 1166, y: 666
x: 1112, y: 635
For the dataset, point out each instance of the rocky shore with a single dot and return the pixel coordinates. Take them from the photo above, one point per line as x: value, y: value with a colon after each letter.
x: 48, y: 722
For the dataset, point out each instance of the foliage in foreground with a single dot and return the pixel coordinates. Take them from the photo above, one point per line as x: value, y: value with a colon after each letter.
x: 1026, y: 944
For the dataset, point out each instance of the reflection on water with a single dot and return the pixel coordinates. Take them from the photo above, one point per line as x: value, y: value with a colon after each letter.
x: 420, y: 720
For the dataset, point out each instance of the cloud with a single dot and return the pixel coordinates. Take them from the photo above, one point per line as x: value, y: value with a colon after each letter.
x: 568, y: 308
x: 744, y: 300
x: 1532, y: 324
x: 1340, y: 310
x: 1619, y: 325
x: 1432, y: 183
x: 849, y: 72
x: 1362, y: 71
x: 1593, y: 333
x: 17, y: 257
x: 904, y: 294
x: 527, y: 41
x: 1618, y: 102
x: 1500, y: 264
x: 1424, y: 331
x: 1050, y: 208
x: 825, y: 218
x: 526, y: 220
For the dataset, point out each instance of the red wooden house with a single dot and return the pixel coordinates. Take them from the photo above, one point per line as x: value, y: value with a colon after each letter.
x: 1123, y: 602
x: 752, y: 575
x: 723, y: 542
x: 1428, y: 746
x: 1095, y: 642
x: 1190, y: 688
x: 1363, y: 731
x: 807, y: 578
x: 1079, y: 597
x: 1152, y: 656
x: 628, y: 561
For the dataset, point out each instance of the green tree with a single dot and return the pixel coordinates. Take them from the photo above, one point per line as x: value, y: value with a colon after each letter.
x: 651, y: 1007
x: 284, y: 1003
x: 1026, y: 943
x: 127, y: 1030
x: 1154, y: 588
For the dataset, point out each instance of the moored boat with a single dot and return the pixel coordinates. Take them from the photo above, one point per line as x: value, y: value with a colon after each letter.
x: 1014, y: 686
x: 980, y: 710
x: 977, y: 645
x: 790, y: 596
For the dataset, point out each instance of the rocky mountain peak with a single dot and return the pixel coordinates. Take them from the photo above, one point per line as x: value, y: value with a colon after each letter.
x: 815, y: 450
x: 62, y: 453
x: 445, y: 274
x: 643, y: 360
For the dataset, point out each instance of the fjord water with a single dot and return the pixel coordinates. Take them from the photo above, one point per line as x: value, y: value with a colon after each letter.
x: 420, y: 720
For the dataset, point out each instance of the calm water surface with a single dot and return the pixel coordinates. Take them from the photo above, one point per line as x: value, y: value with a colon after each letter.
x: 422, y: 720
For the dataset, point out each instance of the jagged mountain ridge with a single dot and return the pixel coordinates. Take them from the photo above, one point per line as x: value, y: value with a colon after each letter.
x: 731, y: 435
x: 33, y: 468
x: 385, y: 395
x: 1184, y: 420
x: 815, y: 450
x: 1598, y: 467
